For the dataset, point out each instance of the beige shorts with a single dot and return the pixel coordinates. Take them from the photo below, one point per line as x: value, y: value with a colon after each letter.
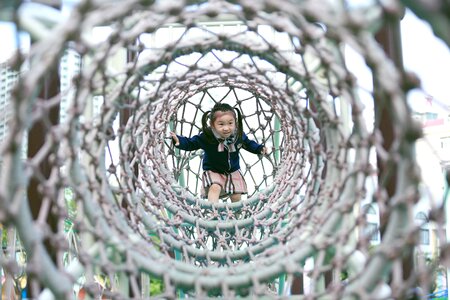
x: 232, y: 183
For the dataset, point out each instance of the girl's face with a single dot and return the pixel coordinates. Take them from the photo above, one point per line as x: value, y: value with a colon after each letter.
x: 224, y: 123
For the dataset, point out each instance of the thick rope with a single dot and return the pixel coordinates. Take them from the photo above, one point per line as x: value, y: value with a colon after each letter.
x: 115, y: 180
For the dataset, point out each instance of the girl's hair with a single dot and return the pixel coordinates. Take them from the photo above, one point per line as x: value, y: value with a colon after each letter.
x: 222, y: 107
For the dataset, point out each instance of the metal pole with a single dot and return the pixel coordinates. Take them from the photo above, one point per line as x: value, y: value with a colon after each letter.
x: 276, y: 140
x: 447, y: 213
x: 182, y: 183
x: 124, y: 115
x: 389, y: 37
x: 36, y: 138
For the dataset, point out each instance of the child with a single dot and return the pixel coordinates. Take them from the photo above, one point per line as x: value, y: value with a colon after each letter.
x: 221, y: 141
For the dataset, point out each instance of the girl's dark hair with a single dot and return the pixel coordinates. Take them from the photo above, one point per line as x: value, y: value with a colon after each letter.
x: 211, y: 115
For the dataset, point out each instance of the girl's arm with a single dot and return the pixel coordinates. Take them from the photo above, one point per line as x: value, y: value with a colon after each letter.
x: 252, y: 146
x: 175, y: 139
x: 184, y: 143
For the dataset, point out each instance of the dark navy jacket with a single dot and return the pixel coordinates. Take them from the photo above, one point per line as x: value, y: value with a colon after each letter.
x: 220, y: 162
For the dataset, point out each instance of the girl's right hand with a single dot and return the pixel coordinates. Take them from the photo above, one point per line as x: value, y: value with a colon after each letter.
x: 175, y: 138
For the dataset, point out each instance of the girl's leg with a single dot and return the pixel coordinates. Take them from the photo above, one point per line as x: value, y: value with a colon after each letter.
x: 214, y: 193
x: 235, y: 197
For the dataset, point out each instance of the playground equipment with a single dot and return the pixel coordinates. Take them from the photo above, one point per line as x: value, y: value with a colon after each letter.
x: 103, y: 204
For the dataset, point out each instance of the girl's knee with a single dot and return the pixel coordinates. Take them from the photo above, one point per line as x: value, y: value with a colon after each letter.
x: 215, y: 187
x: 214, y: 192
x: 235, y: 197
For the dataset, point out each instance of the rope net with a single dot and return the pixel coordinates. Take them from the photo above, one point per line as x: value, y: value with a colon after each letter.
x: 266, y: 128
x: 119, y: 212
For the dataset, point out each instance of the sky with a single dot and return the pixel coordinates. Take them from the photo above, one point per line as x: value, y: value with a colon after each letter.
x: 429, y: 57
x: 423, y: 54
x: 9, y: 41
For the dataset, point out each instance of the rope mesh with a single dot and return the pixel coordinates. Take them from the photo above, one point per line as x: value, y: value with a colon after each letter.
x: 129, y: 220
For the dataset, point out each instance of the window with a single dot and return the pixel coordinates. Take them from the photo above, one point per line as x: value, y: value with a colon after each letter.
x: 445, y: 143
x: 369, y: 209
x: 371, y: 229
x: 424, y: 230
x: 430, y: 116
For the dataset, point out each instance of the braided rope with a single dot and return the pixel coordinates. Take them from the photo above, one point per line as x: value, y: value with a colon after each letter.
x: 113, y: 181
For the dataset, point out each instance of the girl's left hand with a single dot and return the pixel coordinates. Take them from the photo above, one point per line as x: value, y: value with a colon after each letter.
x: 175, y: 138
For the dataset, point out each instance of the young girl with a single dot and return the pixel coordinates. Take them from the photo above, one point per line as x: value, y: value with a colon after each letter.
x: 221, y: 141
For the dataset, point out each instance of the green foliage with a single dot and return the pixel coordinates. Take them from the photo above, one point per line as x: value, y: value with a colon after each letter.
x: 4, y: 238
x: 344, y: 275
x: 156, y: 286
x: 70, y: 202
x: 71, y: 209
x: 435, y: 268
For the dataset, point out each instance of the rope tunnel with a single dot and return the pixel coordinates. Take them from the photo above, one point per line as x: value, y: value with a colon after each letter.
x: 129, y: 220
